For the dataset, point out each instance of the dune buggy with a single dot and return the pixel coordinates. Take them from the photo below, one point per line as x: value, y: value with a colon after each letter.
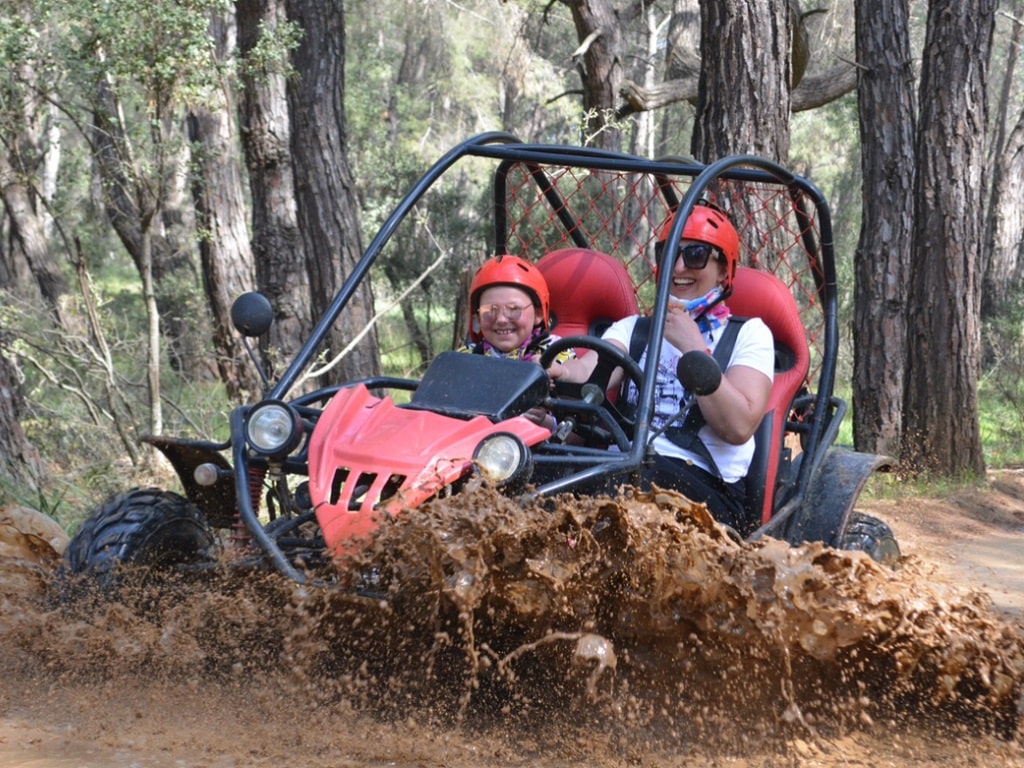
x: 305, y: 478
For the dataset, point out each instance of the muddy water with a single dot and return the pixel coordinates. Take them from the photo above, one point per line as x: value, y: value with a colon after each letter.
x: 607, y: 632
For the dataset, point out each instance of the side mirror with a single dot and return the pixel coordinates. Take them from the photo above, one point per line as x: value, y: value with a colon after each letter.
x: 251, y: 314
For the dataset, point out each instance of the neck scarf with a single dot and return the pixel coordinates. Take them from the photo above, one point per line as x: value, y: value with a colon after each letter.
x: 708, y: 311
x: 528, y: 350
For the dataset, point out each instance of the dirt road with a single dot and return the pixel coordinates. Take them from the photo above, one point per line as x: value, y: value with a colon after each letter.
x: 186, y: 681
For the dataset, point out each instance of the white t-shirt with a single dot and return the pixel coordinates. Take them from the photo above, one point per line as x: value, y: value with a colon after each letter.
x: 754, y: 348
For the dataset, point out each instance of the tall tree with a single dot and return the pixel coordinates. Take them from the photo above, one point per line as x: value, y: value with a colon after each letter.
x: 744, y: 91
x: 224, y: 247
x: 600, y: 60
x: 1004, y: 224
x: 156, y: 55
x: 25, y: 91
x: 19, y: 460
x: 886, y: 108
x: 682, y: 73
x: 324, y: 190
x: 941, y: 432
x: 264, y: 38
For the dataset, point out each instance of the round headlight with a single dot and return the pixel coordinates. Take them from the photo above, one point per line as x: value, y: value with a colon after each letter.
x: 503, y: 458
x: 273, y: 428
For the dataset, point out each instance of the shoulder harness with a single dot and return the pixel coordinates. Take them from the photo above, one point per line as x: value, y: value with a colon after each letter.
x: 686, y: 435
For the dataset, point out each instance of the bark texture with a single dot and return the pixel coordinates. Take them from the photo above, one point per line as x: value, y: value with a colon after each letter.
x: 221, y: 213
x: 746, y: 45
x: 324, y: 188
x: 941, y: 433
x: 276, y: 246
x: 882, y: 266
x: 19, y: 460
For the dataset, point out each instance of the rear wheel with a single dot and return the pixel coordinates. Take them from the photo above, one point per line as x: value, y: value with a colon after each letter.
x: 870, y: 535
x: 144, y: 526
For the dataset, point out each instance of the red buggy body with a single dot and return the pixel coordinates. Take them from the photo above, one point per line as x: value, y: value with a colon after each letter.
x: 402, y: 456
x: 304, y: 478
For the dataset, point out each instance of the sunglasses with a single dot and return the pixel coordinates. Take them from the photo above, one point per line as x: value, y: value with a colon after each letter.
x: 492, y: 312
x: 694, y: 255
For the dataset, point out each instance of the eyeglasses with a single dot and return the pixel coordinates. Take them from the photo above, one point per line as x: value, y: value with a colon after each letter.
x: 492, y: 312
x: 694, y: 255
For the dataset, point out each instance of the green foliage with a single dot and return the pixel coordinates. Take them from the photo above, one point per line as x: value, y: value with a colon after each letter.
x: 1001, y: 388
x: 165, y: 48
x: 270, y: 54
x: 84, y: 411
x: 421, y: 75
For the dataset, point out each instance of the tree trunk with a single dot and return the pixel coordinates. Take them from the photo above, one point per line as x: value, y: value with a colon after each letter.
x: 23, y: 163
x: 744, y: 92
x: 1004, y: 224
x: 184, y: 316
x: 599, y: 61
x: 29, y: 235
x: 156, y: 411
x: 276, y: 245
x: 132, y: 210
x: 324, y: 190
x: 224, y: 250
x: 1004, y: 272
x: 941, y: 433
x: 131, y: 192
x: 19, y: 460
x: 882, y: 265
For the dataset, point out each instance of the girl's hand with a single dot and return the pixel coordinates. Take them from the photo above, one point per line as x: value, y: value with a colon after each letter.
x: 541, y: 416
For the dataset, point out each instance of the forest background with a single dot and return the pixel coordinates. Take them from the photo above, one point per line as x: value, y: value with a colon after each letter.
x: 160, y: 158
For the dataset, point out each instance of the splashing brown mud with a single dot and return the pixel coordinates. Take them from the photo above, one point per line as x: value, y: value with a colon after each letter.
x: 607, y: 631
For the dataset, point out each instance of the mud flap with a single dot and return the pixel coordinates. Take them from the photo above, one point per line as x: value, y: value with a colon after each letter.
x: 831, y: 495
x: 217, y: 501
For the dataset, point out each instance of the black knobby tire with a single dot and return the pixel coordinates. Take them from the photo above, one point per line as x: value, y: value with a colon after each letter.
x: 870, y: 535
x: 143, y: 526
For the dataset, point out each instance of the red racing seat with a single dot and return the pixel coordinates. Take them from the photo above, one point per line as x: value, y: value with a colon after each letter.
x: 757, y: 293
x: 589, y: 291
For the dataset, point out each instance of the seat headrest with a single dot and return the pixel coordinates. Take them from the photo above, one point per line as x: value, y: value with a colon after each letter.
x: 587, y: 287
x: 757, y: 293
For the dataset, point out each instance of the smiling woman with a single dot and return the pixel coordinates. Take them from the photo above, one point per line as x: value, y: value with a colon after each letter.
x: 704, y: 441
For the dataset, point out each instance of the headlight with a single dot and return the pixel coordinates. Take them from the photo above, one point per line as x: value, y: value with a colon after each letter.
x: 504, y: 459
x: 273, y: 428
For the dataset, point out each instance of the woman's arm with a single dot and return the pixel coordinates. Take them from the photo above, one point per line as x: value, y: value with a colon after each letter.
x: 734, y: 410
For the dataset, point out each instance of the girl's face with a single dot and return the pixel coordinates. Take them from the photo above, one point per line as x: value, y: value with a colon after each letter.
x: 507, y: 316
x: 689, y: 282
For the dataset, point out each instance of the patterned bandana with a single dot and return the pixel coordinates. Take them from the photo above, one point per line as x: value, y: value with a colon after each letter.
x: 708, y: 319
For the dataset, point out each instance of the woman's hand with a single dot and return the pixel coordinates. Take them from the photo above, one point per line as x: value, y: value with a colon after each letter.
x: 681, y: 330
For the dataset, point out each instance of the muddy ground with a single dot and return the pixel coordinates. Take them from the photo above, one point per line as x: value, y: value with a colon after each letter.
x: 625, y: 633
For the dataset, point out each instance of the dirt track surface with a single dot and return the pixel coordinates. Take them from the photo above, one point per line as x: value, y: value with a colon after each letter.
x: 919, y: 667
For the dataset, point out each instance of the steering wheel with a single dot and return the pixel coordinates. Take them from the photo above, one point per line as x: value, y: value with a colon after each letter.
x: 610, y: 357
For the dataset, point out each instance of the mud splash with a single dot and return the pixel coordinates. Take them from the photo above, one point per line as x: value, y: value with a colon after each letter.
x: 597, y: 629
x: 643, y: 606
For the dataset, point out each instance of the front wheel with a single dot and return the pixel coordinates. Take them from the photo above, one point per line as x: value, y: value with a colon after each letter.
x: 864, y: 533
x: 145, y: 527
